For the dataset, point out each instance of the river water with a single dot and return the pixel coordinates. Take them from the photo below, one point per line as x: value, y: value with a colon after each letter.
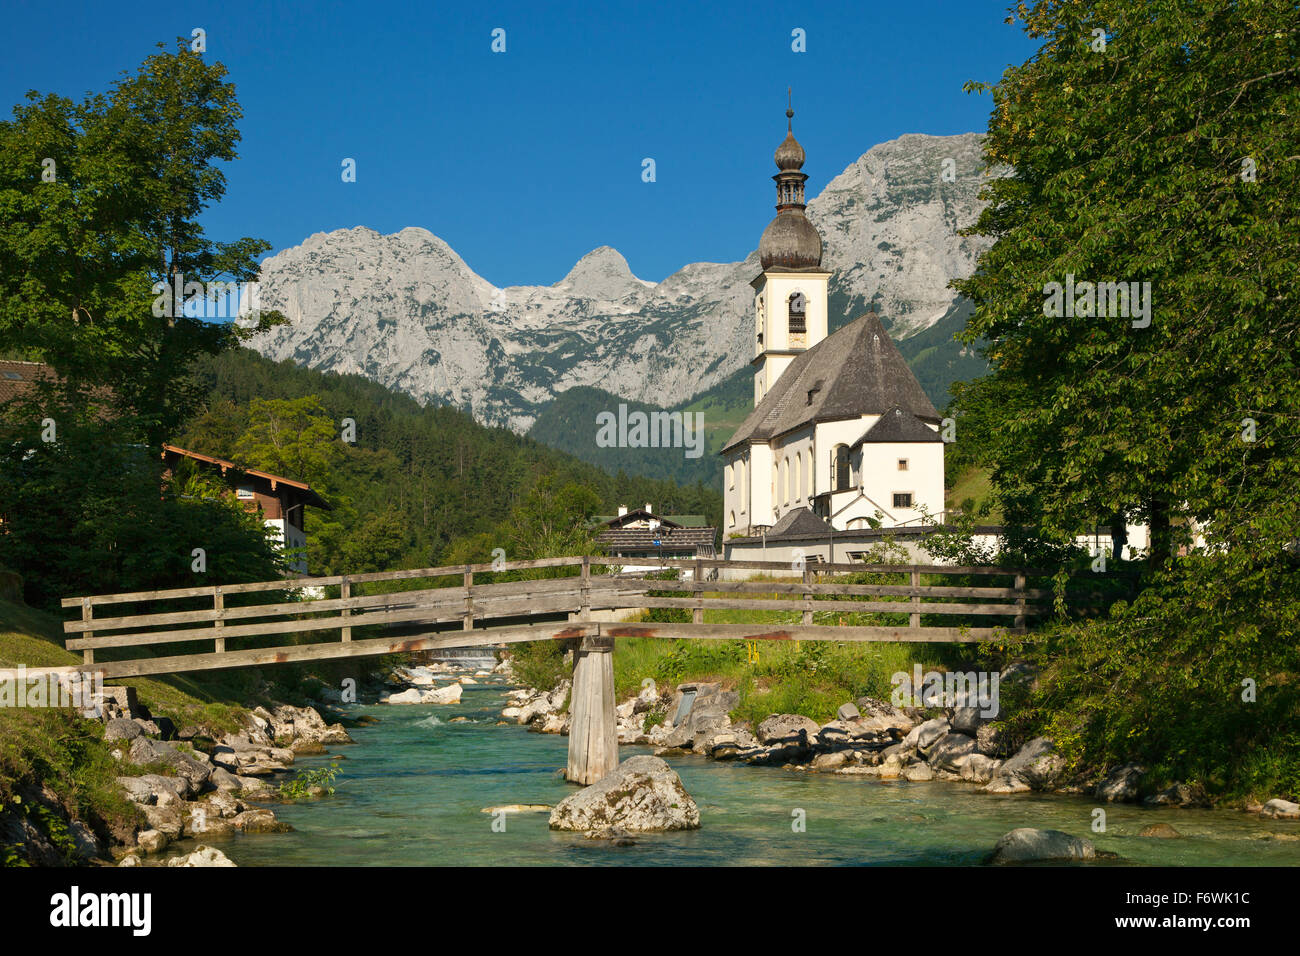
x: 412, y: 793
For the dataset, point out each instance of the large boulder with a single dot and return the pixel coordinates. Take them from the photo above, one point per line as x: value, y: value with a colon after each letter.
x: 950, y: 752
x: 1281, y: 810
x: 1179, y: 795
x: 444, y: 695
x: 993, y: 741
x: 121, y: 728
x: 788, y: 729
x: 1028, y: 844
x: 1036, y: 766
x: 1121, y: 784
x: 979, y: 768
x: 882, y: 715
x: 925, y: 735
x: 202, y: 856
x: 640, y: 794
x: 185, y: 764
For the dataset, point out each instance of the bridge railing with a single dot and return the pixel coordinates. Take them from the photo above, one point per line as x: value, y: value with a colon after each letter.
x: 548, y: 598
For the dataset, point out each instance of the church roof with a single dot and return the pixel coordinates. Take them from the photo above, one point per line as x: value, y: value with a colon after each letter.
x: 856, y: 371
x: 897, y: 425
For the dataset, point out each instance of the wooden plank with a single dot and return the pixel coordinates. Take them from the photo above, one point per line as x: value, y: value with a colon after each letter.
x: 1020, y: 601
x: 799, y: 632
x: 865, y: 607
x: 697, y: 579
x: 483, y: 637
x: 469, y: 598
x: 796, y: 587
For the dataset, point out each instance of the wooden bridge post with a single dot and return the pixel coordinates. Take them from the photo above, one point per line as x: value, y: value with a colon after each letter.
x: 593, y: 731
x: 807, y: 596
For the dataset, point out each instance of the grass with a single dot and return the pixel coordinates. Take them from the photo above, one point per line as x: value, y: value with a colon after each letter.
x: 975, y: 484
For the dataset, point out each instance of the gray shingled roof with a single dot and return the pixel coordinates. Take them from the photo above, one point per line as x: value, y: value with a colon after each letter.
x: 798, y: 522
x: 643, y: 539
x: 856, y: 371
x: 897, y: 425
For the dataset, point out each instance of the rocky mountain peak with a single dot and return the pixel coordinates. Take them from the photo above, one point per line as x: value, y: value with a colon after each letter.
x: 407, y: 311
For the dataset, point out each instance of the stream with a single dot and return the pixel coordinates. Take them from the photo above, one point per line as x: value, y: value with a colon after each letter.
x: 412, y: 792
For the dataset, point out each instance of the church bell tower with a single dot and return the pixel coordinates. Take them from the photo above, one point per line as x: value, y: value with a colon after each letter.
x: 790, y: 312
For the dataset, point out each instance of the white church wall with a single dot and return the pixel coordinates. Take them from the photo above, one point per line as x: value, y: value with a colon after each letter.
x: 832, y: 434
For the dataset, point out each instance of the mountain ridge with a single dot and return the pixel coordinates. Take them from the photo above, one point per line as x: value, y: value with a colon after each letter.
x: 406, y: 310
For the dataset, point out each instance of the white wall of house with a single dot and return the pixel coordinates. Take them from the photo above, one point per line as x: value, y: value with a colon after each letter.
x: 287, y: 537
x: 883, y: 478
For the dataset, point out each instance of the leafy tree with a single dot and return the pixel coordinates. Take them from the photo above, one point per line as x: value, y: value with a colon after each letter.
x: 1154, y: 141
x: 1151, y: 142
x: 99, y: 211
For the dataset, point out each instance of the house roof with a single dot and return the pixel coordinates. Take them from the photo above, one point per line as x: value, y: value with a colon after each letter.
x: 897, y: 425
x: 671, y: 539
x: 308, y: 496
x: 800, y: 521
x: 854, y: 372
x: 18, y: 378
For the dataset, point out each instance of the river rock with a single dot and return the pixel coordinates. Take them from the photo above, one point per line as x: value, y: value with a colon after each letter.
x: 1179, y: 795
x: 1028, y: 844
x: 923, y: 736
x: 1159, y: 830
x: 848, y: 712
x: 830, y: 761
x: 788, y: 729
x: 640, y: 794
x: 183, y: 764
x: 917, y: 773
x: 151, y: 841
x: 993, y: 741
x: 1036, y: 766
x: 1121, y: 784
x: 1279, y: 809
x: 202, y: 856
x: 444, y: 695
x: 411, y: 695
x: 979, y: 768
x: 950, y: 751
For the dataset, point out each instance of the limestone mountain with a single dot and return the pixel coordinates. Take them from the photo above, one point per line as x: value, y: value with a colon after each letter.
x: 406, y: 311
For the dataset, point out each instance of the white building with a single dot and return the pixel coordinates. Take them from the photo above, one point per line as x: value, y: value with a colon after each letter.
x: 840, y: 427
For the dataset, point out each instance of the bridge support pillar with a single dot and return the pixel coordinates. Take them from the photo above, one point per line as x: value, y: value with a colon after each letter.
x: 593, y: 731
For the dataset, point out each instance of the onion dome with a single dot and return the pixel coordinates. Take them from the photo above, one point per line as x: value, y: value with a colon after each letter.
x: 789, y: 155
x: 790, y: 241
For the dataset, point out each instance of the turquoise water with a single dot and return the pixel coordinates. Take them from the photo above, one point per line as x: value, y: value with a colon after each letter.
x: 412, y: 791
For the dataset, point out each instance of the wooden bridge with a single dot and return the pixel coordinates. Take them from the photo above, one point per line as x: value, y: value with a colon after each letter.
x: 577, y: 599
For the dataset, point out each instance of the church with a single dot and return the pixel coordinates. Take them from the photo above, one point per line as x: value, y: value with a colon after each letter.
x: 842, y: 436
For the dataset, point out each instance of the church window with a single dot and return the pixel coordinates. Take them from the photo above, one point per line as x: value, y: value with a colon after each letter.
x: 798, y: 475
x: 841, y: 473
x: 731, y: 476
x: 798, y: 313
x: 785, y: 479
x: 902, y: 499
x: 731, y: 520
x: 902, y: 464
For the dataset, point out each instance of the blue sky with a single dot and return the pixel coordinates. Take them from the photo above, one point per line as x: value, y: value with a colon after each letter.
x: 526, y: 160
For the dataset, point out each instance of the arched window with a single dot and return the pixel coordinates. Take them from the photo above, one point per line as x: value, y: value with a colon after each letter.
x: 731, y: 476
x: 731, y: 520
x: 798, y: 313
x: 841, y: 472
x: 798, y: 475
x: 785, y: 479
